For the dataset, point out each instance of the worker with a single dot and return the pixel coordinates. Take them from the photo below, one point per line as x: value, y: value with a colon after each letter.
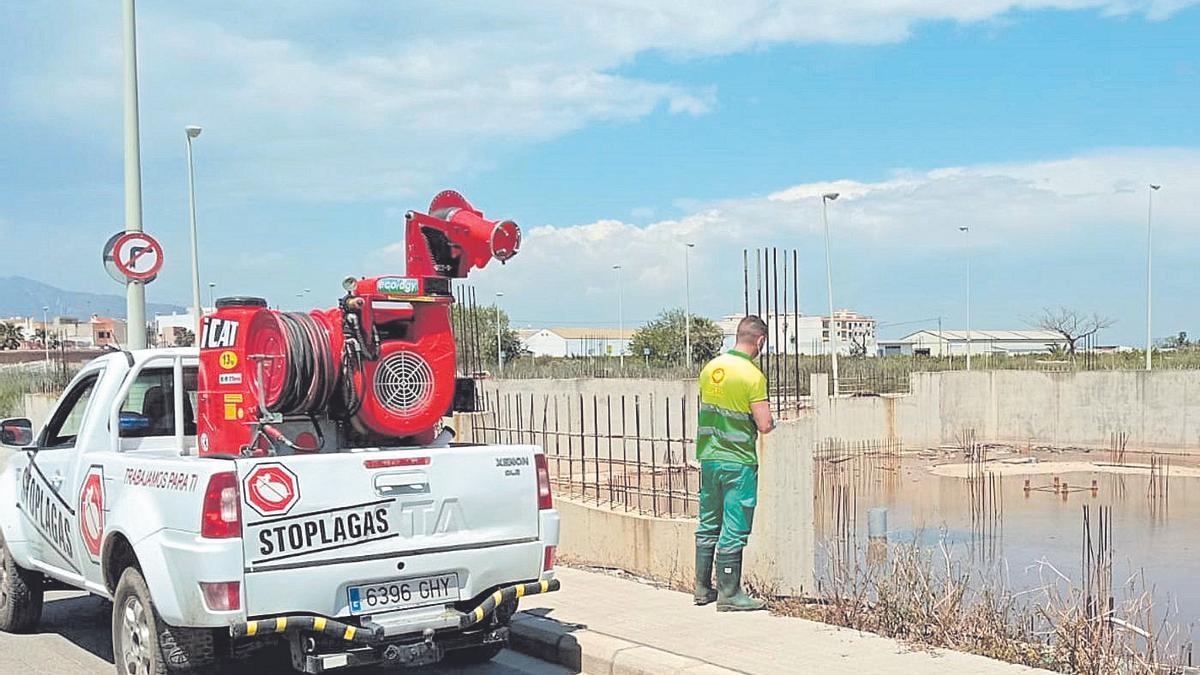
x: 733, y: 412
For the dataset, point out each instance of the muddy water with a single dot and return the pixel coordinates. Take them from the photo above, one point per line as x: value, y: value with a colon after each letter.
x: 1013, y: 531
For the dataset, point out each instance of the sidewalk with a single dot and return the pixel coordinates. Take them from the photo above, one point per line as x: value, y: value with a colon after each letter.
x: 601, y: 624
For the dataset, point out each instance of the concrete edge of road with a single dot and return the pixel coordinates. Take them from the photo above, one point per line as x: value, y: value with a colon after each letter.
x: 575, y: 647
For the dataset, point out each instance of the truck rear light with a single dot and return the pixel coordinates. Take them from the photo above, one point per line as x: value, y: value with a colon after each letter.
x: 222, y: 596
x: 548, y: 559
x: 222, y: 515
x: 395, y: 462
x: 545, y: 497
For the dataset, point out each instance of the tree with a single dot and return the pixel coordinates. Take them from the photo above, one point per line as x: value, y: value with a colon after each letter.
x: 1072, y: 325
x: 665, y: 337
x: 475, y: 337
x: 11, y: 336
x: 184, y: 337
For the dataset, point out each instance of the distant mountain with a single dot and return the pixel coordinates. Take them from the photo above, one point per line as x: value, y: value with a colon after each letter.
x: 20, y: 296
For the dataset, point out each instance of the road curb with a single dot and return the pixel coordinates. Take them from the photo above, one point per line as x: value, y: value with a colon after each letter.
x: 574, y: 646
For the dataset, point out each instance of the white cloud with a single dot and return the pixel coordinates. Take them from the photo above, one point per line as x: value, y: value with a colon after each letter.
x: 1015, y: 210
x: 373, y: 101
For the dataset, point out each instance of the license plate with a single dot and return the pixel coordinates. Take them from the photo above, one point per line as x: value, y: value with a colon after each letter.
x: 404, y: 593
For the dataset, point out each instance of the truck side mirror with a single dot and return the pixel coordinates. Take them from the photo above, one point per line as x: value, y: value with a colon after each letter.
x: 16, y: 432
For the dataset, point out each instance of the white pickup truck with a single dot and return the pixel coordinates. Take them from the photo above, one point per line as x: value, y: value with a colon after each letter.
x: 381, y: 555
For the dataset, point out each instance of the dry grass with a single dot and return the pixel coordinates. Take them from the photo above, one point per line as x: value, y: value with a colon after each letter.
x: 927, y: 598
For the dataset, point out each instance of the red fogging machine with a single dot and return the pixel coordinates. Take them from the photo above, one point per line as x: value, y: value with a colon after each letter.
x: 377, y: 369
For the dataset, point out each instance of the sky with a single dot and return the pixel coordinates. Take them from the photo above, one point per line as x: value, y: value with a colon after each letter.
x: 616, y: 131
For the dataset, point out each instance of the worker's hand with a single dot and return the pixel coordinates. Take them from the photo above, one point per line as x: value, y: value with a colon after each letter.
x: 761, y: 412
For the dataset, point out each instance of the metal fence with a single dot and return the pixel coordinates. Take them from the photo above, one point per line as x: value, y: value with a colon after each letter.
x: 628, y: 452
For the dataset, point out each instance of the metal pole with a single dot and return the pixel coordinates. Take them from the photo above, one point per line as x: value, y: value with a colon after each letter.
x: 967, y: 230
x: 687, y: 307
x: 1149, y: 263
x: 191, y: 133
x: 135, y: 291
x: 833, y: 346
x: 499, y: 350
x: 620, y: 320
x: 941, y: 339
x: 46, y: 335
x: 211, y: 294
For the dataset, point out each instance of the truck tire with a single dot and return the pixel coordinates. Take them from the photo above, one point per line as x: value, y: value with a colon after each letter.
x: 144, y: 644
x: 21, y: 595
x: 472, y: 656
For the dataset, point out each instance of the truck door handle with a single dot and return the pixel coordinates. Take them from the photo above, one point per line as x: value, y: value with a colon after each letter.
x: 402, y: 483
x: 56, y: 481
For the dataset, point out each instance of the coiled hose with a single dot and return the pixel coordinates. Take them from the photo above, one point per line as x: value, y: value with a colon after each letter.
x: 309, y: 378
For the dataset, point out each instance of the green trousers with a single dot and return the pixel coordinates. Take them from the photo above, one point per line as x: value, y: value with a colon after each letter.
x: 728, y: 495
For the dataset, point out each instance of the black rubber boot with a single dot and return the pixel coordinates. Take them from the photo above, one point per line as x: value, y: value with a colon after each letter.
x: 730, y: 597
x: 705, y: 593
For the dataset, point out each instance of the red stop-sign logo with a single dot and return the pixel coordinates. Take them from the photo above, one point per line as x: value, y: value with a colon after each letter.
x: 91, y: 511
x: 271, y: 489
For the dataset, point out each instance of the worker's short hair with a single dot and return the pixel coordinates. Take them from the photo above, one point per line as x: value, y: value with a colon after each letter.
x: 750, y: 328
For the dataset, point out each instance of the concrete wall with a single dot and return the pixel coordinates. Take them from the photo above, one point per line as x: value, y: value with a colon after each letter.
x: 1159, y: 410
x: 37, y: 409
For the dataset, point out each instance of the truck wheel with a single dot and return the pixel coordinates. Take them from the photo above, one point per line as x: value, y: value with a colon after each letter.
x: 21, y: 595
x: 144, y: 644
x: 473, y: 655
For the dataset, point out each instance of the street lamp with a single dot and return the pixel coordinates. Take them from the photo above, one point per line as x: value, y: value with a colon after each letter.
x: 193, y: 131
x: 833, y: 346
x: 211, y: 301
x: 46, y: 334
x: 687, y: 306
x: 620, y: 320
x: 300, y: 297
x: 499, y: 350
x: 967, y: 230
x: 1149, y: 261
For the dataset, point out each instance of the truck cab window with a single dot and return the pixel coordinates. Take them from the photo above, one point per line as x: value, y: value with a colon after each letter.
x: 149, y: 410
x: 64, y: 426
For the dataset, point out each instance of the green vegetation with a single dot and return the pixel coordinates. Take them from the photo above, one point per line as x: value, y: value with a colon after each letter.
x: 475, y: 337
x: 11, y: 336
x: 16, y: 381
x: 665, y: 338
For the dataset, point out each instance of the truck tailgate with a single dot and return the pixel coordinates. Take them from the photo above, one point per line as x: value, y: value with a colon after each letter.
x: 321, y: 522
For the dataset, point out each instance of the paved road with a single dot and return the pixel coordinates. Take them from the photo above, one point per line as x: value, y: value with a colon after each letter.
x: 74, y: 639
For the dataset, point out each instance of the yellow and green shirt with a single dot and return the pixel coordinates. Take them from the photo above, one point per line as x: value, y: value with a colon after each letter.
x: 726, y: 431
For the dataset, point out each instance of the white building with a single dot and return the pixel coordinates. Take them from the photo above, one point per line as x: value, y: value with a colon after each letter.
x: 562, y: 342
x: 168, y: 326
x: 809, y: 334
x: 954, y: 342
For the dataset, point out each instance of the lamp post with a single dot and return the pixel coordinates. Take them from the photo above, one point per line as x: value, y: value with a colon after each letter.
x: 620, y: 320
x: 833, y: 346
x: 1149, y: 262
x: 211, y: 297
x: 135, y: 291
x: 687, y: 306
x: 300, y: 297
x: 46, y: 334
x: 967, y: 230
x: 499, y: 349
x: 192, y: 132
